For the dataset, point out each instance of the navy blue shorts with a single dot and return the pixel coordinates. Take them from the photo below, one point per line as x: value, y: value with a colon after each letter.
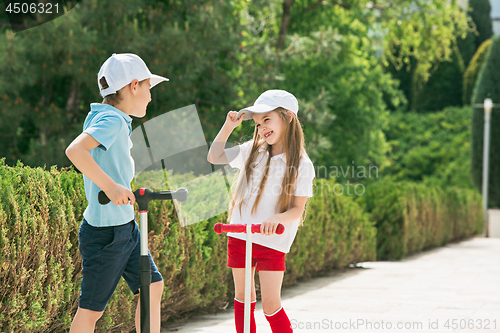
x: 108, y: 253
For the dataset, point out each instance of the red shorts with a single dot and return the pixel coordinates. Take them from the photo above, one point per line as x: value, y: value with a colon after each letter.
x: 264, y: 258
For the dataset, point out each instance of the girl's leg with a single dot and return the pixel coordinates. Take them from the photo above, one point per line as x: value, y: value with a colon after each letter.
x: 239, y: 284
x: 155, y: 291
x: 239, y: 305
x: 270, y: 287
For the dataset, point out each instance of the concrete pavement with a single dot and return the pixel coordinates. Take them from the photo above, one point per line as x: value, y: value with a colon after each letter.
x: 455, y: 288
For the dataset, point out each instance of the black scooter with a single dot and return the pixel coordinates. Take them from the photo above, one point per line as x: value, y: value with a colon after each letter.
x: 143, y: 197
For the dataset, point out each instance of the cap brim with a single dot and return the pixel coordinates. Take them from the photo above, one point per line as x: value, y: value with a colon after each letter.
x: 259, y: 108
x: 155, y: 79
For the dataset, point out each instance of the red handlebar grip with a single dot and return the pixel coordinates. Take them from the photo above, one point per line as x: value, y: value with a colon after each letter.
x: 220, y: 228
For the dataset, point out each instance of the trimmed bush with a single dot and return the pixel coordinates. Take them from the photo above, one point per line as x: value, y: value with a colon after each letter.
x: 472, y: 71
x: 432, y: 148
x: 413, y: 217
x: 481, y: 15
x: 336, y: 233
x: 487, y: 86
x: 38, y: 252
x: 40, y: 213
x: 444, y: 87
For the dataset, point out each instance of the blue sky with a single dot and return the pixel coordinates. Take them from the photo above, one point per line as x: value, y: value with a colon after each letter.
x: 495, y: 8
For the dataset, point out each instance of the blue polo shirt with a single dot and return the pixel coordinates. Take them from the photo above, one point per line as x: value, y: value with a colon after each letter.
x: 111, y: 128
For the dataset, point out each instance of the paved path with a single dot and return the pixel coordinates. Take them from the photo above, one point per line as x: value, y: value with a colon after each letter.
x: 458, y: 285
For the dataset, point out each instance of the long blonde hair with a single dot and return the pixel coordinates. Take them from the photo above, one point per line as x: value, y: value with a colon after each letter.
x: 293, y: 144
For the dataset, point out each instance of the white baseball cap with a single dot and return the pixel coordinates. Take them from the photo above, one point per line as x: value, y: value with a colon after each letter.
x: 270, y: 100
x: 123, y: 68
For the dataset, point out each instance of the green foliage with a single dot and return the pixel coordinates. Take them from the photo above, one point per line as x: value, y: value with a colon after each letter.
x: 467, y: 47
x: 342, y: 233
x: 331, y: 66
x: 40, y: 212
x: 472, y: 71
x: 413, y: 217
x: 348, y: 86
x: 480, y: 14
x: 431, y: 84
x: 38, y: 253
x: 49, y: 72
x: 487, y: 86
x: 221, y: 55
x: 444, y: 87
x: 432, y: 148
x: 425, y: 30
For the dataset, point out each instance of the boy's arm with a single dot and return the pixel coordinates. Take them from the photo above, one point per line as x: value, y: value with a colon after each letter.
x: 216, y: 154
x: 79, y: 155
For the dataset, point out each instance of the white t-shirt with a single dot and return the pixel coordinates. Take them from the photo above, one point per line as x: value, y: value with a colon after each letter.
x: 237, y: 157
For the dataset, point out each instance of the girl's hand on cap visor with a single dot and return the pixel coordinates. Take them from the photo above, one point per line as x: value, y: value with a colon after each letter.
x: 232, y: 119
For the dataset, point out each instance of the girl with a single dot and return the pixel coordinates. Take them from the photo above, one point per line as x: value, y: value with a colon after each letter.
x: 274, y: 183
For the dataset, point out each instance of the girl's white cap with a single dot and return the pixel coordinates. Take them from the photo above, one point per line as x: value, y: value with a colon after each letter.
x: 123, y: 68
x: 270, y: 100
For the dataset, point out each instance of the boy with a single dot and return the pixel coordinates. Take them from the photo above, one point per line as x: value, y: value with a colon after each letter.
x: 109, y: 239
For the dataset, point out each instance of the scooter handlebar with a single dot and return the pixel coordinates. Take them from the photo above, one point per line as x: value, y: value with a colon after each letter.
x: 180, y: 195
x: 220, y: 228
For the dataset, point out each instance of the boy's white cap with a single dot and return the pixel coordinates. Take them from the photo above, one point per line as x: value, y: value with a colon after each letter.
x: 123, y: 68
x: 270, y: 100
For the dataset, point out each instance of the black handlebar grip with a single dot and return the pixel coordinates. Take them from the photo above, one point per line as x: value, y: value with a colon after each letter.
x: 103, y: 198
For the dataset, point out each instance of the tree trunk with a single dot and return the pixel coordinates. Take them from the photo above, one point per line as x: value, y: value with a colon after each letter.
x: 73, y: 102
x: 285, y: 22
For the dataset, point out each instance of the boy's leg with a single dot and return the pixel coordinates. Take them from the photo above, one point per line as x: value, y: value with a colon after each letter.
x: 104, y: 252
x: 84, y: 321
x: 155, y: 291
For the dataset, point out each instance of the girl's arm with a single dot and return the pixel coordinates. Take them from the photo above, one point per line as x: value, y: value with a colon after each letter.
x: 268, y: 227
x: 216, y: 154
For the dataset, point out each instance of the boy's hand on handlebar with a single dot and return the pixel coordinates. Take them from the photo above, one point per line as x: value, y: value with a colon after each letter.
x: 120, y: 195
x: 232, y: 121
x: 268, y: 227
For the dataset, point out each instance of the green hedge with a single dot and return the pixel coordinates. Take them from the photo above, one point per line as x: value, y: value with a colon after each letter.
x: 487, y: 86
x: 472, y: 71
x: 432, y: 148
x: 40, y: 212
x: 412, y: 217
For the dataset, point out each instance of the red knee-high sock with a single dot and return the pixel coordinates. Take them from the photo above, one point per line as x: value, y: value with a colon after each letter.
x: 239, y: 316
x: 279, y: 322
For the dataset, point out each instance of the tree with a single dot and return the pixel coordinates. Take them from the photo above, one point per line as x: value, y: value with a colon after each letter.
x: 472, y: 71
x: 444, y: 87
x: 332, y: 68
x: 49, y: 72
x: 480, y: 14
x: 487, y: 86
x: 423, y: 33
x: 433, y: 148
